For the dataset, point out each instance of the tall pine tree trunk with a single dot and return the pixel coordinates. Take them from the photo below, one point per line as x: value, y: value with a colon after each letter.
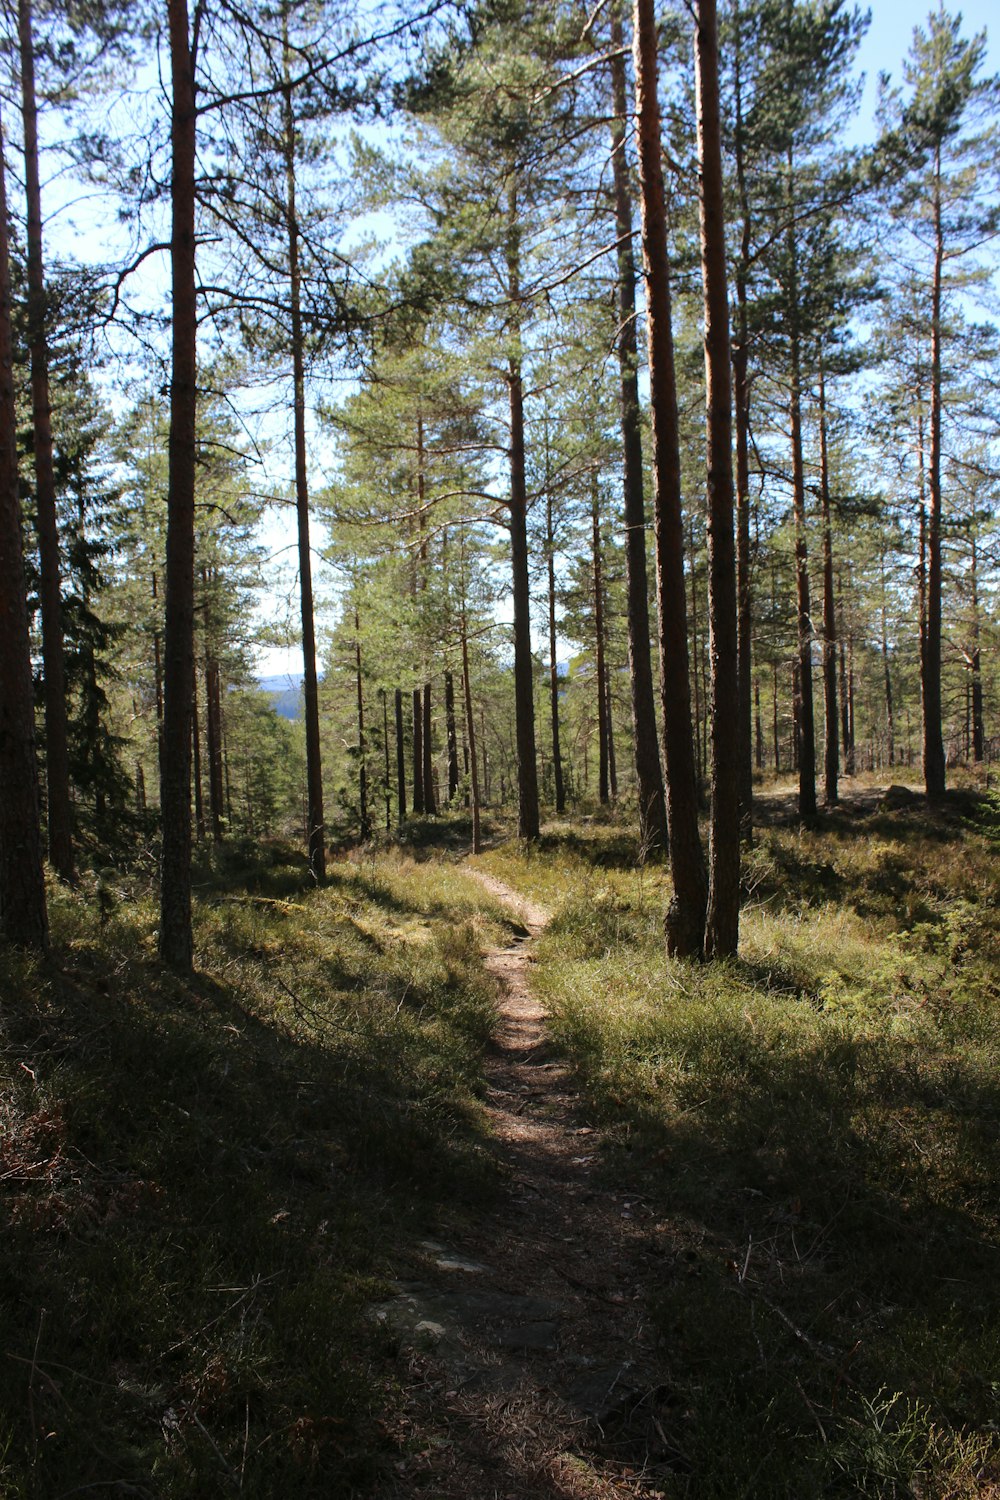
x: 722, y: 920
x: 550, y: 558
x: 385, y: 750
x: 310, y: 679
x: 597, y: 583
x: 213, y: 724
x: 176, y: 938
x: 451, y: 731
x: 741, y: 413
x: 430, y: 801
x: 400, y: 758
x: 978, y: 731
x: 890, y: 721
x: 648, y: 772
x: 524, y: 687
x: 418, y: 751
x: 930, y: 677
x: 685, y: 921
x: 199, y: 801
x: 831, y: 764
x: 23, y: 913
x: 470, y: 732
x: 805, y: 736
x: 53, y: 655
x: 365, y: 822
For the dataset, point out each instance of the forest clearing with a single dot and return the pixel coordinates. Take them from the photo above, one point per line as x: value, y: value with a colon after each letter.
x: 325, y: 1219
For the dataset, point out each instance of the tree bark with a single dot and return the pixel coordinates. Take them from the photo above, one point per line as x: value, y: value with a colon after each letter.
x: 199, y: 801
x: 648, y: 771
x: 831, y: 765
x: 890, y: 725
x: 934, y: 762
x: 418, y: 751
x: 685, y: 921
x: 470, y: 731
x: 310, y: 679
x: 176, y: 939
x: 603, y: 791
x: 58, y: 806
x: 524, y: 687
x: 213, y: 724
x: 452, y: 734
x: 557, y: 766
x: 23, y: 913
x: 385, y: 750
x: 400, y: 759
x: 978, y: 730
x: 364, y: 816
x: 430, y: 801
x: 805, y: 739
x: 723, y: 915
x: 741, y: 413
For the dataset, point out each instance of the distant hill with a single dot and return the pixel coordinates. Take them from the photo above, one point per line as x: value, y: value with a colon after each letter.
x: 285, y: 693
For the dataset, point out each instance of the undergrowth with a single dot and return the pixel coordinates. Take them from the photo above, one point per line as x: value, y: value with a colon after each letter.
x: 202, y: 1183
x: 814, y: 1132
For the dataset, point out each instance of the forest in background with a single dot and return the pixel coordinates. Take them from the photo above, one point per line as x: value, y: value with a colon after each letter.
x: 406, y: 307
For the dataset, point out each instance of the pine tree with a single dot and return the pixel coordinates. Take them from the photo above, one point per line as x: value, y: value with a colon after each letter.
x: 950, y: 208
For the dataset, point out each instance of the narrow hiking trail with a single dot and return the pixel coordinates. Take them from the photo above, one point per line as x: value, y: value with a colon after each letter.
x: 529, y: 1367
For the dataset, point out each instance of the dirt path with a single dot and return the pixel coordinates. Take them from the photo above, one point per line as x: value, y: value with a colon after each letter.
x: 530, y: 1368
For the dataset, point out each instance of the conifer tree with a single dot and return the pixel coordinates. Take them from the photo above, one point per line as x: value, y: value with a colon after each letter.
x: 949, y: 206
x: 23, y: 914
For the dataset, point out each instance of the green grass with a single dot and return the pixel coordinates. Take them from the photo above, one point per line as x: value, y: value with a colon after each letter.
x: 814, y: 1130
x: 203, y: 1184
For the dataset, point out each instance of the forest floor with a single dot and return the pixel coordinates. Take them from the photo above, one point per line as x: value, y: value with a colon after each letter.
x: 443, y: 1181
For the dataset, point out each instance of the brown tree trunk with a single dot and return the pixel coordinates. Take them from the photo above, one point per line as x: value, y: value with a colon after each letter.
x: 176, y: 938
x: 741, y: 413
x: 930, y: 677
x: 524, y: 687
x: 452, y: 733
x: 805, y: 739
x: 400, y: 759
x: 364, y: 816
x: 385, y: 750
x: 470, y: 731
x: 430, y: 801
x: 310, y: 679
x: 557, y: 766
x: 609, y: 713
x: 890, y: 724
x: 685, y: 922
x: 418, y: 751
x: 978, y: 730
x: 831, y: 764
x: 213, y: 723
x: 648, y: 772
x: 199, y: 801
x: 603, y: 790
x: 23, y: 913
x: 58, y: 807
x: 723, y: 916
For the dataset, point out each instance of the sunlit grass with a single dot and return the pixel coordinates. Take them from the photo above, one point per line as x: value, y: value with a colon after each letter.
x: 816, y: 1127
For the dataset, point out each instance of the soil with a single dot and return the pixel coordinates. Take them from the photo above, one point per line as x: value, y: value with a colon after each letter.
x: 527, y: 1359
